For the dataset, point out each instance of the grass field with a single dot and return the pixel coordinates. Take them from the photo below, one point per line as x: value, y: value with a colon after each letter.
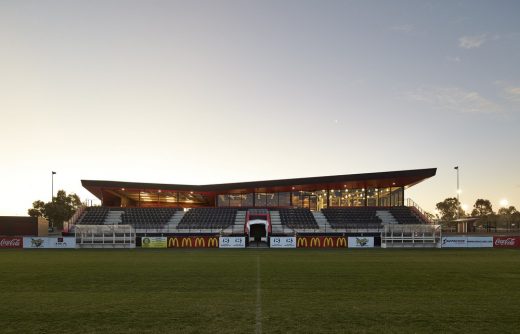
x: 269, y: 291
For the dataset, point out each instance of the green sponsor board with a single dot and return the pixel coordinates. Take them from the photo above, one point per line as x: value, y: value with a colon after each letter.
x: 154, y: 242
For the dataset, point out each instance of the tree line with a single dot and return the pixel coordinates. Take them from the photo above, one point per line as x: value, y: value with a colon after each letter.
x: 450, y: 209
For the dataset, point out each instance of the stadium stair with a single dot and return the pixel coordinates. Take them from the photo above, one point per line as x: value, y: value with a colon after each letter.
x: 174, y: 221
x: 322, y: 221
x: 386, y: 217
x: 276, y: 225
x: 113, y: 217
x: 238, y: 225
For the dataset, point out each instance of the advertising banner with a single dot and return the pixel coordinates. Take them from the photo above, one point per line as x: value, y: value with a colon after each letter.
x: 49, y: 242
x: 62, y: 242
x: 321, y: 242
x: 11, y: 242
x: 454, y: 242
x: 282, y: 242
x: 154, y: 242
x: 232, y: 242
x: 360, y: 242
x: 464, y: 241
x: 35, y: 242
x: 506, y: 242
x: 479, y: 242
x: 193, y: 242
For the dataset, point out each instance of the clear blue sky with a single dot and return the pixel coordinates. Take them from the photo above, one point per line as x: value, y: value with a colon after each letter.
x: 223, y: 91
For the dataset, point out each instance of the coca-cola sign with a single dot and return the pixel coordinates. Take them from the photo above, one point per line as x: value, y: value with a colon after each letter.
x: 506, y: 242
x: 11, y: 242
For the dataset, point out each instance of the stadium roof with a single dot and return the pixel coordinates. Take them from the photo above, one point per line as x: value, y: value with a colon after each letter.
x: 404, y: 178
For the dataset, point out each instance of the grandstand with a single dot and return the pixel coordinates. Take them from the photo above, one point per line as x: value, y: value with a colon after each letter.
x: 347, y: 204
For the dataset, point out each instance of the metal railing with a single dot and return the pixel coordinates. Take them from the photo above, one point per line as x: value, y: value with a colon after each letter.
x: 424, y: 215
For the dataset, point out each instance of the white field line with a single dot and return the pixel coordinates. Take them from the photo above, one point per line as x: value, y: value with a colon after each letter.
x: 258, y: 323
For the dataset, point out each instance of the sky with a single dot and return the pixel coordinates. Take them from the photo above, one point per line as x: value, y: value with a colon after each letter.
x: 218, y: 91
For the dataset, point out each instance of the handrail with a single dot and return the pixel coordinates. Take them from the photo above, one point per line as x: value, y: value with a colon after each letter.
x: 72, y: 221
x: 411, y: 203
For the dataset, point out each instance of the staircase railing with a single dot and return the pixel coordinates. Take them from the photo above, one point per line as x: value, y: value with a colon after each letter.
x: 423, y: 214
x: 72, y: 221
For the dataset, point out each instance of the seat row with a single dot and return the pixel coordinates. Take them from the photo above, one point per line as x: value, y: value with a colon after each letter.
x: 298, y: 218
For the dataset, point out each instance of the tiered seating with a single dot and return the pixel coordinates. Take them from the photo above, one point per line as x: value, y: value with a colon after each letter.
x: 352, y: 217
x: 405, y: 215
x: 298, y: 218
x: 93, y: 215
x: 208, y: 218
x: 147, y: 217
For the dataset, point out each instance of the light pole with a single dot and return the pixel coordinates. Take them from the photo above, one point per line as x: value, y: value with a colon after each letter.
x: 52, y: 186
x: 458, y: 190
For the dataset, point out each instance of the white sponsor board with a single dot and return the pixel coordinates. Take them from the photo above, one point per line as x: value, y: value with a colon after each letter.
x: 479, y: 242
x: 232, y: 242
x: 360, y: 242
x: 460, y: 241
x: 464, y: 241
x: 49, y: 242
x: 282, y: 242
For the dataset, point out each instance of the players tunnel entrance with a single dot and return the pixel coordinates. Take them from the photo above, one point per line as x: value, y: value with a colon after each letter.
x: 257, y: 231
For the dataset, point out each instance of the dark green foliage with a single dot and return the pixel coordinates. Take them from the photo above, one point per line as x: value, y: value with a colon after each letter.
x: 449, y: 209
x: 482, y: 207
x: 61, y: 208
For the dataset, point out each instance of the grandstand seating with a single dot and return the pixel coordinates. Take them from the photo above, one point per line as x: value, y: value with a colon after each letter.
x: 208, y: 218
x: 298, y: 218
x: 93, y: 215
x: 352, y: 217
x: 405, y: 215
x: 147, y: 217
x: 221, y: 218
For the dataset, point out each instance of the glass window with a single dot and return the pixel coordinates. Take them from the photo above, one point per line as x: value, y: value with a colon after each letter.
x: 335, y: 197
x: 322, y: 199
x: 355, y: 197
x: 296, y: 199
x: 260, y: 199
x: 235, y: 200
x: 384, y: 197
x: 247, y: 199
x: 372, y: 196
x: 223, y: 200
x: 397, y: 196
x: 284, y: 199
x: 272, y: 199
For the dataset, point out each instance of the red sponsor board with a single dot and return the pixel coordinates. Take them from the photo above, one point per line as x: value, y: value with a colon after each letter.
x: 192, y: 242
x: 11, y: 242
x: 506, y: 242
x: 321, y: 242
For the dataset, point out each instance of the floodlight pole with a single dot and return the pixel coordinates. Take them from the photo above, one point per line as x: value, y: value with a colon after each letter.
x: 458, y: 191
x: 52, y: 185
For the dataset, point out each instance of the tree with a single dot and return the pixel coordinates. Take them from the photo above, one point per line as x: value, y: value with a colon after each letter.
x: 506, y: 217
x: 61, y: 208
x: 507, y: 211
x: 450, y: 209
x: 431, y: 216
x: 482, y: 208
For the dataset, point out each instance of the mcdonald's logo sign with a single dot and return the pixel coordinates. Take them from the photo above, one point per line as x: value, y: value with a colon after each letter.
x: 321, y: 242
x: 199, y: 242
x: 341, y: 242
x: 212, y: 242
x: 315, y: 242
x: 186, y: 242
x: 193, y: 242
x: 328, y: 242
x: 173, y: 243
x: 302, y: 242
